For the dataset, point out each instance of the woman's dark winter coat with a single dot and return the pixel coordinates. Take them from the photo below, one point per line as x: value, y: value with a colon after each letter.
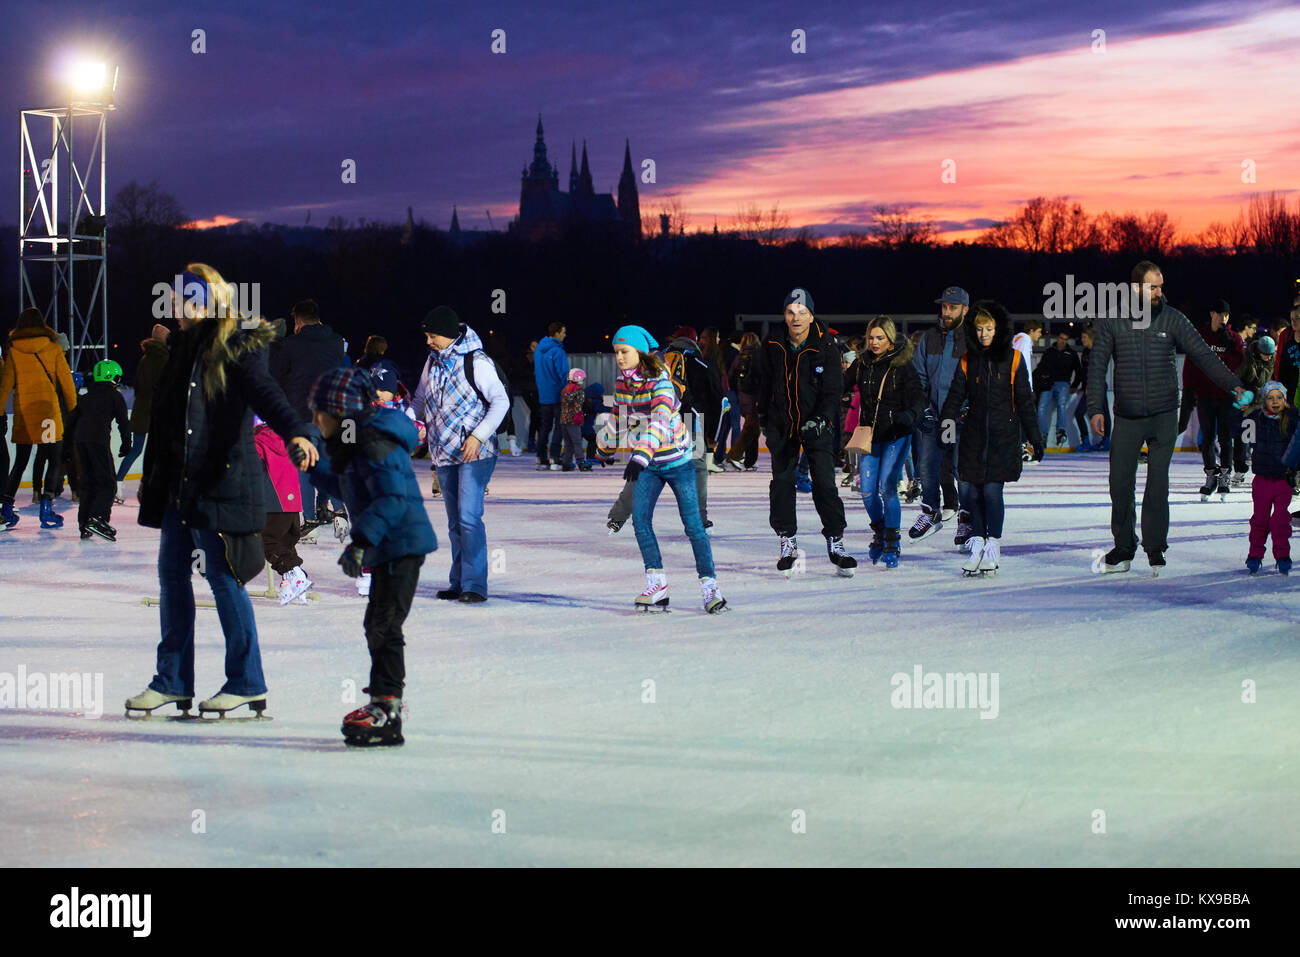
x: 990, y: 440
x: 200, y: 455
x: 152, y: 361
x: 902, y: 402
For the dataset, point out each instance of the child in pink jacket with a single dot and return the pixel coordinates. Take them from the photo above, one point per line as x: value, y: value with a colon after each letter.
x: 283, y: 514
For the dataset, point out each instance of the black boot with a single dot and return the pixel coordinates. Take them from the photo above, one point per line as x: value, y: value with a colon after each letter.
x: 877, y: 546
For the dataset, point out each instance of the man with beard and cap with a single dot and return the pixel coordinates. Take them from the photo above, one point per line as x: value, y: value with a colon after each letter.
x: 937, y: 356
x: 1142, y: 344
x: 796, y: 383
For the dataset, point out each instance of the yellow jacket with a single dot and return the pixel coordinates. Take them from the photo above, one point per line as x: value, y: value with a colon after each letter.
x: 32, y: 368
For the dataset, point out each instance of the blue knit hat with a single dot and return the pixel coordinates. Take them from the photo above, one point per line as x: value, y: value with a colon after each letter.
x: 636, y: 337
x: 194, y: 286
x: 342, y: 392
x: 1270, y: 386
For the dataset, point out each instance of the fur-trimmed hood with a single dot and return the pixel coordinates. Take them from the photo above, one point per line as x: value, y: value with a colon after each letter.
x: 899, y: 355
x: 1000, y: 347
x: 24, y: 336
x: 219, y: 356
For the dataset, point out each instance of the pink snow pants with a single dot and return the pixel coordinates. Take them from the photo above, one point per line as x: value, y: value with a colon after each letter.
x: 1272, y: 497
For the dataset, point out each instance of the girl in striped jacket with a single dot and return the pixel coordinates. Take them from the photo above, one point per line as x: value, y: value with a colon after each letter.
x: 661, y: 455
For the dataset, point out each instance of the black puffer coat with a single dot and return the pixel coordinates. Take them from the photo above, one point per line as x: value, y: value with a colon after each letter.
x: 200, y: 456
x: 789, y: 388
x: 995, y: 426
x: 302, y: 358
x: 902, y: 400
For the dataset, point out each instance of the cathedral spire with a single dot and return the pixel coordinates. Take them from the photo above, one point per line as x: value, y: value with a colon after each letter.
x: 455, y: 221
x: 629, y: 203
x: 584, y: 178
x: 573, y: 168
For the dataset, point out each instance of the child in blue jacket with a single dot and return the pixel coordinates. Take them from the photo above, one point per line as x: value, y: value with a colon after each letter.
x: 366, y: 461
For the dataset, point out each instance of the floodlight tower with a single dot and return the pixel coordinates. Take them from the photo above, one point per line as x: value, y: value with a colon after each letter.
x: 62, y: 240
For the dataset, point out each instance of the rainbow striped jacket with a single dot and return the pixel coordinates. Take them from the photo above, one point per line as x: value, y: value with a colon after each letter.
x: 656, y: 432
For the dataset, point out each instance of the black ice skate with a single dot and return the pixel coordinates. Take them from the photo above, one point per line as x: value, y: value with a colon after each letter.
x: 375, y: 725
x: 1116, y: 561
x: 844, y: 563
x: 1225, y: 477
x: 789, y: 554
x: 1211, y: 484
x: 1157, y: 562
x: 222, y: 704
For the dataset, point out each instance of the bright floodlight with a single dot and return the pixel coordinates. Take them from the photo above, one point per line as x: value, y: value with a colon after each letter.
x: 89, y: 77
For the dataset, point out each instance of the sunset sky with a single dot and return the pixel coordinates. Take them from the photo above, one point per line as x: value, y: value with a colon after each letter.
x: 1013, y: 93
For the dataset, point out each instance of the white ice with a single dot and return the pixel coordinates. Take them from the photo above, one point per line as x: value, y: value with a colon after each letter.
x: 1139, y: 721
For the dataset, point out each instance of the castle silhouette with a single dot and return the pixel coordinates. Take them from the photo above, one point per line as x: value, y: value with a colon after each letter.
x: 546, y: 212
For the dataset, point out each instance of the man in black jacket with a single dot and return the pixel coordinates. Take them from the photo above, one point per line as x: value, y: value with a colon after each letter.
x: 1146, y: 407
x: 796, y: 383
x: 1058, y: 375
x: 297, y: 362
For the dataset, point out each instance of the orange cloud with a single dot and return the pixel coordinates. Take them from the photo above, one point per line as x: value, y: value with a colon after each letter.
x: 1164, y: 122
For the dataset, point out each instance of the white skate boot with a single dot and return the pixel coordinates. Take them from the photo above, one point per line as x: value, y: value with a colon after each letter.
x: 148, y: 700
x: 655, y: 595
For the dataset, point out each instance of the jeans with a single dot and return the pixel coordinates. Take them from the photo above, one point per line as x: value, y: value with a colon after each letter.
x: 572, y: 443
x: 931, y: 457
x: 1159, y: 432
x: 1086, y: 435
x: 549, y: 434
x: 462, y: 494
x: 681, y: 479
x: 392, y: 587
x: 307, y: 493
x: 180, y: 549
x: 825, y: 492
x: 137, y: 446
x: 621, y: 510
x: 1058, y: 395
x: 729, y: 430
x: 987, y: 509
x: 879, y: 478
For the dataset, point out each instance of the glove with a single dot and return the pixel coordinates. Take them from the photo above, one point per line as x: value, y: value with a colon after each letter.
x: 1290, y: 477
x: 813, y: 427
x: 296, y: 455
x: 1039, y: 451
x: 350, y: 560
x: 762, y: 421
x: 634, y: 469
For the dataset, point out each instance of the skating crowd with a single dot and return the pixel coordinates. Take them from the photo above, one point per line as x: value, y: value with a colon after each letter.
x: 254, y: 440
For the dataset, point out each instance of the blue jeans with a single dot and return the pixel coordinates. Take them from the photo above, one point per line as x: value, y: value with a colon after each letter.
x: 177, y: 548
x: 462, y: 494
x: 307, y: 499
x: 137, y: 446
x: 879, y: 479
x: 681, y: 479
x: 930, y: 457
x: 1058, y: 394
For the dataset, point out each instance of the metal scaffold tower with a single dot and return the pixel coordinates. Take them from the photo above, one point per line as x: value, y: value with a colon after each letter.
x: 62, y: 240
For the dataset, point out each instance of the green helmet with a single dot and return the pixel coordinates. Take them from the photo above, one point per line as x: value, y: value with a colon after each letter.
x: 106, y: 370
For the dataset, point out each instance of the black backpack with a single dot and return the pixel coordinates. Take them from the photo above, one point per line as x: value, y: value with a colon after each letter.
x: 469, y: 375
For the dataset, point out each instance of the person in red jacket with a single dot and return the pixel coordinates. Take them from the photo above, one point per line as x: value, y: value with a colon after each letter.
x: 1287, y: 368
x: 1214, y: 406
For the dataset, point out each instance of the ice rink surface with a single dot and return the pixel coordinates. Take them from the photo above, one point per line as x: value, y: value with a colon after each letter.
x: 1136, y: 721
